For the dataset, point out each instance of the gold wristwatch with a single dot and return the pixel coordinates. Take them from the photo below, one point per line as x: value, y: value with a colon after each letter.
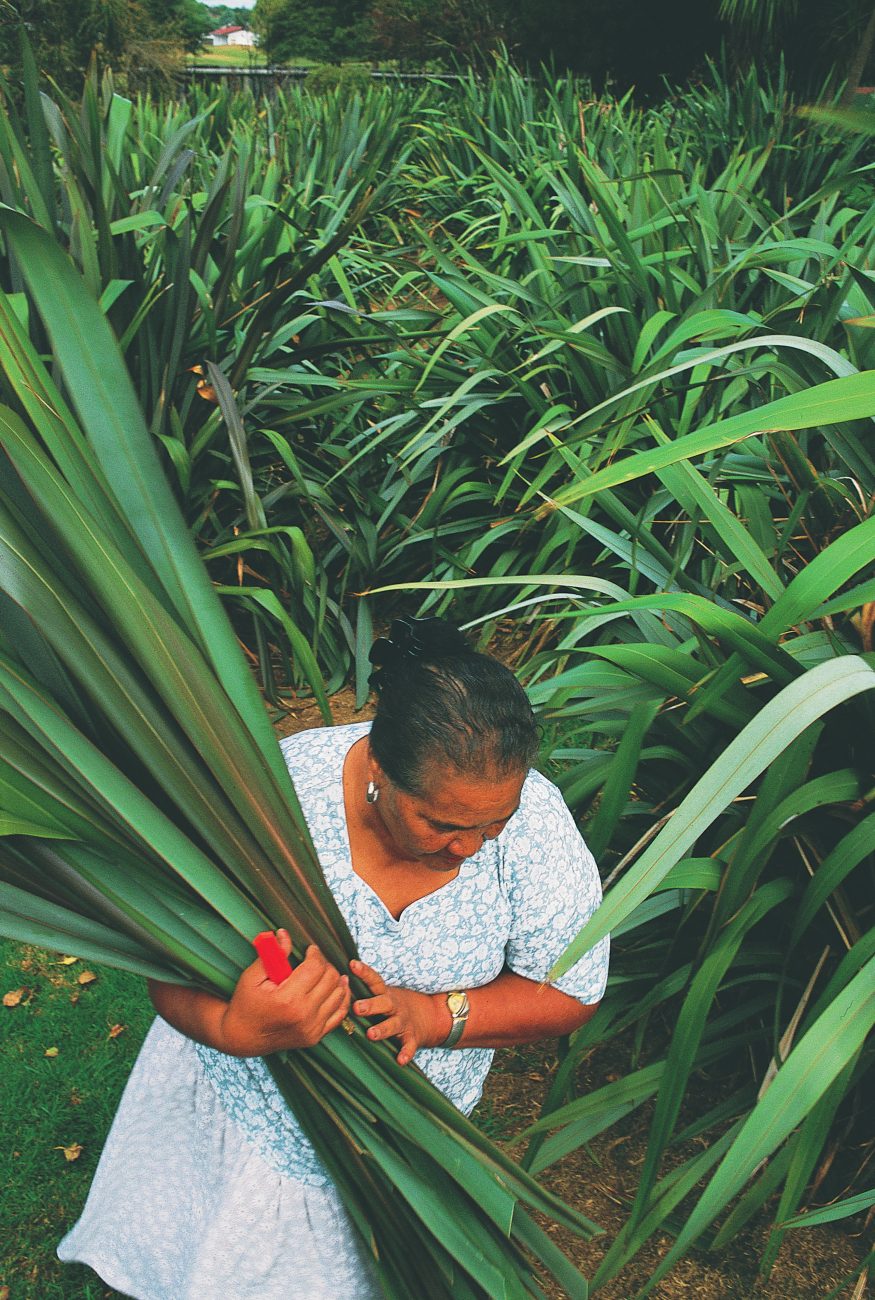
x: 458, y: 1007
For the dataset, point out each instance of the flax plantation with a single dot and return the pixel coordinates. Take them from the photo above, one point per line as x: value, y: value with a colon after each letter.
x: 598, y: 381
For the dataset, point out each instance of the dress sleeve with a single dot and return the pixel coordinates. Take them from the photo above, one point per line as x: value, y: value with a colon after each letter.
x: 552, y: 884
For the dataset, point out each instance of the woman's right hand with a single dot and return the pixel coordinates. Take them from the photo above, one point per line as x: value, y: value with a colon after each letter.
x: 264, y: 1017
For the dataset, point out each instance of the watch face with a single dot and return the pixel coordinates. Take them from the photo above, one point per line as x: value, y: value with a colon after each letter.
x: 456, y: 1003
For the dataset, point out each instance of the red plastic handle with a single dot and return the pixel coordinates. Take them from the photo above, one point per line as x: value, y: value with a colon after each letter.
x: 273, y: 959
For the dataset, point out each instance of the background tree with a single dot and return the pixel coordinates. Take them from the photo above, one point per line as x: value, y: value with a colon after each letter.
x: 142, y: 40
x: 814, y: 39
x: 62, y: 35
x: 628, y: 42
x: 191, y: 21
x: 623, y: 42
x: 325, y: 30
x: 418, y: 30
x: 226, y: 16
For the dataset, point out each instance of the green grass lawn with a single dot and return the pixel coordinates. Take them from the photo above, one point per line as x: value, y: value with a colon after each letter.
x: 64, y: 1099
x: 228, y: 56
x: 236, y: 56
x: 67, y: 1099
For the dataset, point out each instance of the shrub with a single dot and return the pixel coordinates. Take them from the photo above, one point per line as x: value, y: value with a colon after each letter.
x: 354, y: 78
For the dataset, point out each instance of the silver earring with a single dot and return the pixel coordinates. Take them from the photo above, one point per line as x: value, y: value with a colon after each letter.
x: 372, y: 793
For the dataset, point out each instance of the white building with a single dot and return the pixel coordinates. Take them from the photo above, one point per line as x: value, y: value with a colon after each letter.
x: 233, y: 36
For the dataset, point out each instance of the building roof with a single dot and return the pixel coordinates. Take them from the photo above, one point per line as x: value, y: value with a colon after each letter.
x: 226, y: 31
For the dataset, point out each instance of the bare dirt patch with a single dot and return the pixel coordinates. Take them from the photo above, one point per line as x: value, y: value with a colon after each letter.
x: 304, y: 714
x: 600, y: 1179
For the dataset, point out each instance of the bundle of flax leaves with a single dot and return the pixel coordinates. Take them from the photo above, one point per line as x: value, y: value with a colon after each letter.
x: 147, y: 819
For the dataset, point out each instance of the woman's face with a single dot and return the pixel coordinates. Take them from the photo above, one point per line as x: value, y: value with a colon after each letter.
x: 453, y: 816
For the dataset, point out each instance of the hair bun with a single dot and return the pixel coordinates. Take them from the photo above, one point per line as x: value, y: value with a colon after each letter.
x: 414, y: 638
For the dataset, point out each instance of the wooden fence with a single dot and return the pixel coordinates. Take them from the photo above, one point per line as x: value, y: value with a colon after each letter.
x: 261, y: 80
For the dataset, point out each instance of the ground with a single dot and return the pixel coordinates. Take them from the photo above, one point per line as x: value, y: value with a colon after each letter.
x: 600, y: 1179
x: 237, y: 56
x: 68, y: 1043
x: 228, y: 56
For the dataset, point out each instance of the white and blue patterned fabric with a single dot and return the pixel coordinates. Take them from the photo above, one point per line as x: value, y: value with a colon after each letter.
x: 230, y: 1199
x: 182, y: 1206
x: 516, y: 903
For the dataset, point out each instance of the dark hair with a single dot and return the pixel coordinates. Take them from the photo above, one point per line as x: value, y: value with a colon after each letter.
x: 439, y: 699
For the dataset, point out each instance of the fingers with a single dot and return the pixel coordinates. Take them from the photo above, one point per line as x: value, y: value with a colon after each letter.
x: 407, y: 1053
x: 315, y: 995
x: 322, y: 987
x: 322, y: 1009
x: 326, y: 1009
x: 400, y: 1008
x: 384, y: 1005
x: 330, y: 989
x: 341, y: 996
x: 264, y: 1017
x: 372, y: 978
x: 338, y: 1016
x: 314, y: 972
x: 395, y: 1027
x: 391, y: 1027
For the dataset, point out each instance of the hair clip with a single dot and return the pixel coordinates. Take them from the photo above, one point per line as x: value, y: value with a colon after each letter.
x: 407, y: 636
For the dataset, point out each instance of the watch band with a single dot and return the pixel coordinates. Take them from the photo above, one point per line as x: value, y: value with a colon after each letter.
x: 458, y: 1007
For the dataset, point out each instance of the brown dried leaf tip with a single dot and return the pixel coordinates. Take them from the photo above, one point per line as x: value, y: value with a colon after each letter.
x: 72, y: 1152
x: 204, y: 387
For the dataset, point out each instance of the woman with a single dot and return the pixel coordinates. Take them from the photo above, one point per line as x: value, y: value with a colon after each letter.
x: 462, y: 878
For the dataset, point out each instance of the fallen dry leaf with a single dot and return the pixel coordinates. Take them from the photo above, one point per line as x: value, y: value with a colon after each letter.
x: 67, y: 961
x: 51, y: 1051
x: 72, y: 1152
x: 74, y: 997
x: 4, y: 1293
x: 116, y: 1030
x: 87, y: 977
x: 13, y: 998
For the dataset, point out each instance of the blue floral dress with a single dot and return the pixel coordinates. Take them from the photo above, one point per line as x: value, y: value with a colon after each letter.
x: 232, y: 1200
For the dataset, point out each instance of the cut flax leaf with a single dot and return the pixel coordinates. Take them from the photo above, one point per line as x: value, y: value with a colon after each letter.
x: 134, y: 874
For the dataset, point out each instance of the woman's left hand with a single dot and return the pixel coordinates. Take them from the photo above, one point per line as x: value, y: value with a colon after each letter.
x: 415, y: 1018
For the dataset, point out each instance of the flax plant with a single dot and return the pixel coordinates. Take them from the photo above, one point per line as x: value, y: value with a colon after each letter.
x: 602, y: 371
x: 713, y: 637
x: 211, y: 237
x: 394, y: 287
x: 686, y: 375
x: 148, y: 818
x: 739, y: 900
